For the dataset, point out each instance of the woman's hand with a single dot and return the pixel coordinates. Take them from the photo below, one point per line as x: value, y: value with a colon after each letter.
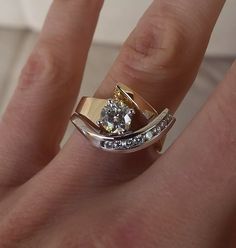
x: 81, y: 197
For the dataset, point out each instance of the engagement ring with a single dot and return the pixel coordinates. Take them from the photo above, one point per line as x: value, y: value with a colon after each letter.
x: 123, y: 123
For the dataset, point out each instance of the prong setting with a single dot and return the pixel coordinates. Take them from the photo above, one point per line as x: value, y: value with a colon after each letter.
x: 116, y: 117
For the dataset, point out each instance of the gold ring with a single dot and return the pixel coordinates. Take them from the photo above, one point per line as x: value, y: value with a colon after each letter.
x: 123, y: 123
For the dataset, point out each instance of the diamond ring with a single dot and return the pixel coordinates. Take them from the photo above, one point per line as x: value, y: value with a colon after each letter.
x: 123, y: 123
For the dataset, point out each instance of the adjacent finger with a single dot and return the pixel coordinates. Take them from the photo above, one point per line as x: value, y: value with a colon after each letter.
x: 160, y: 61
x: 196, y: 177
x: 38, y: 113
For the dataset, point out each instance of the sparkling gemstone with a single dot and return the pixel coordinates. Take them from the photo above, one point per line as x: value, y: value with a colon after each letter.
x: 163, y: 124
x: 149, y: 135
x: 129, y: 143
x: 138, y: 140
x: 116, y: 117
x: 154, y: 131
x: 117, y: 144
x: 108, y: 144
x: 168, y: 118
x: 158, y: 129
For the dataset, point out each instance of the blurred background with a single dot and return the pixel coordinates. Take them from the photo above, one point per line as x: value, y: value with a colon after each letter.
x: 21, y: 20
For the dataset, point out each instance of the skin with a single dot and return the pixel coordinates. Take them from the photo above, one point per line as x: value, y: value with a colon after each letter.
x: 78, y: 196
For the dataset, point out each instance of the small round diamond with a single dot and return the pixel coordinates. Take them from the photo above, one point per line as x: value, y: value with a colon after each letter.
x: 138, y: 140
x: 168, y: 118
x: 129, y: 143
x: 108, y: 144
x: 149, y: 135
x: 163, y: 124
x: 116, y: 117
x: 154, y: 131
x: 117, y: 144
x: 158, y: 129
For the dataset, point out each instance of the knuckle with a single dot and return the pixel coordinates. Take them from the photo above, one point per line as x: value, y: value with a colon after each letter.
x: 42, y: 68
x: 158, y: 46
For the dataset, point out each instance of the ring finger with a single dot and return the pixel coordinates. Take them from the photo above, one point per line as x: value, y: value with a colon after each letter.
x: 159, y: 60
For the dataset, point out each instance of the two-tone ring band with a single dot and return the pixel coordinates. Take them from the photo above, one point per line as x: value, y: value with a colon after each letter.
x: 123, y: 123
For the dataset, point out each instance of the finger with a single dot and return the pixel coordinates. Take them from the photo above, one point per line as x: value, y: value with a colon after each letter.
x: 160, y: 61
x: 38, y: 114
x: 199, y: 171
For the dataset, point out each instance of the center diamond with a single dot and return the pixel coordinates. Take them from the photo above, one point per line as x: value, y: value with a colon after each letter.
x: 116, y: 117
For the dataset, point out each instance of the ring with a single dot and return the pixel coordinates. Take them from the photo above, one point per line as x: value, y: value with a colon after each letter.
x: 123, y: 123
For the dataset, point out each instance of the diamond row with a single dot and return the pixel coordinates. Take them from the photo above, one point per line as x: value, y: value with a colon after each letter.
x: 139, y: 139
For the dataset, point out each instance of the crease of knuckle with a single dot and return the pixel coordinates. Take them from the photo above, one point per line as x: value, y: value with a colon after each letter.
x: 156, y: 47
x: 43, y: 68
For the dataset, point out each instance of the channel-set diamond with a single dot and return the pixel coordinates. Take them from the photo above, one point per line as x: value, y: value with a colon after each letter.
x: 139, y: 139
x: 149, y: 135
